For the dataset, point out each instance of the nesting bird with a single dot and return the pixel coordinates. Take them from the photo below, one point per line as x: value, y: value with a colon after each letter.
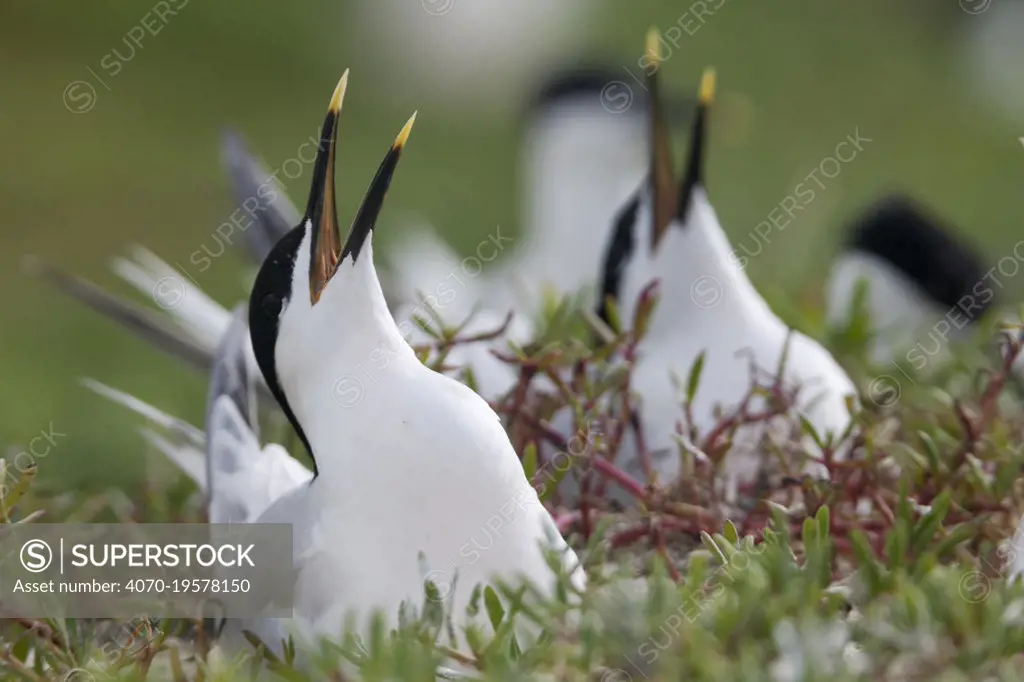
x: 581, y: 157
x: 707, y: 305
x: 406, y: 460
x: 924, y: 285
x: 414, y: 478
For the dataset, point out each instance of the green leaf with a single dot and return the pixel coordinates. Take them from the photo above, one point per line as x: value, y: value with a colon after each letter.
x: 730, y: 533
x: 929, y: 525
x: 475, y: 640
x: 897, y: 542
x: 961, y: 533
x: 808, y: 428
x: 693, y: 378
x: 712, y: 546
x: 8, y: 501
x: 473, y: 608
x: 530, y: 460
x: 495, y: 611
x: 931, y: 451
x: 553, y: 479
x: 870, y: 567
x: 822, y: 518
x: 612, y: 309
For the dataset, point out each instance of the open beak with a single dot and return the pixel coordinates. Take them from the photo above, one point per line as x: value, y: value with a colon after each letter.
x: 694, y: 175
x: 662, y: 181
x: 366, y: 218
x: 326, y: 246
x: 321, y: 210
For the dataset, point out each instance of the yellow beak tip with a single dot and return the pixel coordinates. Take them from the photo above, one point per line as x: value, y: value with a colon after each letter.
x: 706, y: 94
x: 652, y: 46
x: 403, y: 136
x: 339, y: 93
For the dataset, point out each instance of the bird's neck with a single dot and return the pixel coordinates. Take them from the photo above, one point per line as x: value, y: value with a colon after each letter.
x: 703, y: 285
x: 342, y: 361
x: 573, y: 186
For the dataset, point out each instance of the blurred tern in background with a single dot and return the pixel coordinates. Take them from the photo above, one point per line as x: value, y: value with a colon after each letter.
x: 706, y: 305
x: 581, y: 157
x: 924, y: 285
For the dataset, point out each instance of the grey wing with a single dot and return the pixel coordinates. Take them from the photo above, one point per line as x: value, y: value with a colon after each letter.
x: 258, y: 194
x: 231, y: 424
x: 201, y: 322
x: 244, y: 478
x: 232, y: 372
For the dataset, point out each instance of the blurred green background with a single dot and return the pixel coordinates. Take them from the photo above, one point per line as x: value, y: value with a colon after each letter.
x: 141, y: 165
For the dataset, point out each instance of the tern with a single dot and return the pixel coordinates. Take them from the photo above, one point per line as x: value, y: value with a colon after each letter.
x: 410, y: 466
x: 413, y: 477
x: 581, y: 157
x: 707, y: 306
x: 925, y: 285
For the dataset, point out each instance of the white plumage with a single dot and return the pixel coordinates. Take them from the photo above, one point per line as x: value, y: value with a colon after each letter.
x: 708, y: 305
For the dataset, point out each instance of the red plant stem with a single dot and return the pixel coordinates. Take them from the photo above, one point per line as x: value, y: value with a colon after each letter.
x: 641, y: 448
x: 40, y: 629
x: 485, y: 336
x: 659, y: 541
x: 627, y: 482
x: 974, y: 428
x: 519, y: 396
x: 543, y: 429
x: 688, y: 526
x: 630, y: 535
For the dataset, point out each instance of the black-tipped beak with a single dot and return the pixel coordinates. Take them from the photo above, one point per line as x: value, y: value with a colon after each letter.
x: 321, y: 211
x: 694, y: 175
x: 663, y: 198
x: 366, y: 218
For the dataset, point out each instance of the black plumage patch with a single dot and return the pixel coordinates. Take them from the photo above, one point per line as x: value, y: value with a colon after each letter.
x: 617, y: 254
x: 270, y: 292
x: 582, y: 81
x: 901, y: 232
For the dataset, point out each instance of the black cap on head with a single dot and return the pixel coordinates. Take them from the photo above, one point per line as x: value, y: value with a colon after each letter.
x: 583, y: 81
x: 614, y: 88
x: 901, y: 232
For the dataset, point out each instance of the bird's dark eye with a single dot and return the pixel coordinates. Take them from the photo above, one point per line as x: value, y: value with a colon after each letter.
x: 271, y: 305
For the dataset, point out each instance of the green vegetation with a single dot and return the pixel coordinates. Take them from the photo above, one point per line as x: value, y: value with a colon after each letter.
x: 798, y: 584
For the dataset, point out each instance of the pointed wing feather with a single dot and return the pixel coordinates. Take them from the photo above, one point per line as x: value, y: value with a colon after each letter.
x: 259, y: 194
x: 144, y: 323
